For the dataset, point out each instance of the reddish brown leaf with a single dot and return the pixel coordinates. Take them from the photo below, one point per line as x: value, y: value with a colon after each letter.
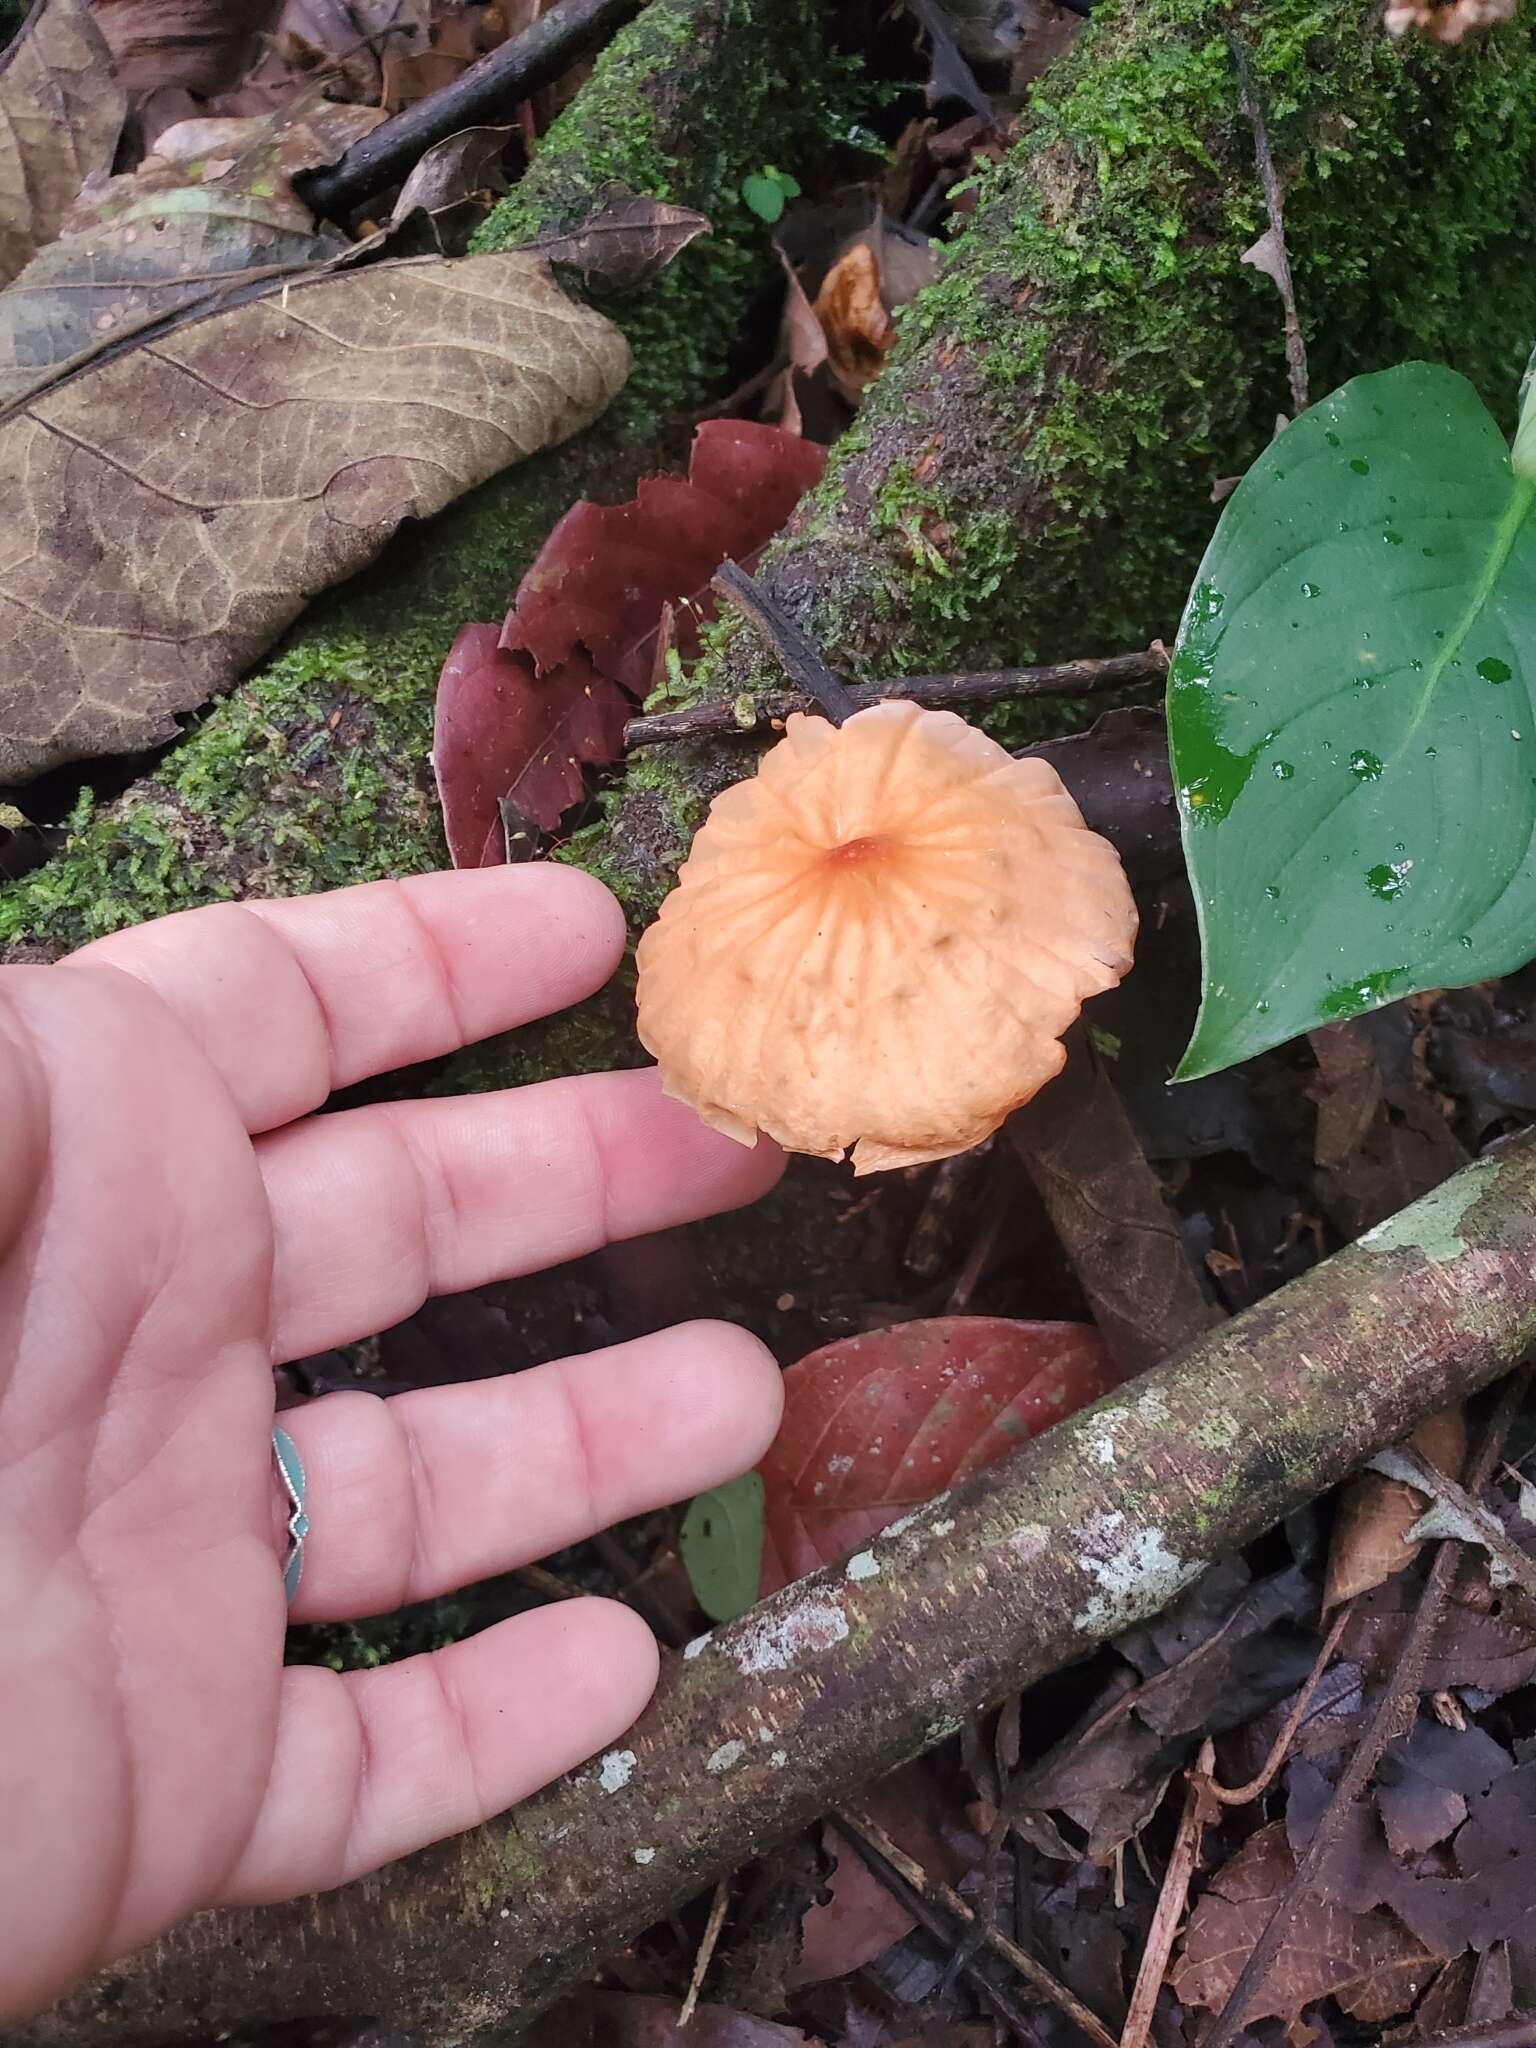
x: 602, y: 577
x: 1369, y: 1962
x: 520, y: 712
x: 859, y: 1917
x: 503, y: 732
x: 876, y: 1424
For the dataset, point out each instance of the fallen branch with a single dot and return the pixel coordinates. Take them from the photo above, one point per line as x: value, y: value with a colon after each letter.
x: 860, y: 1829
x: 487, y: 91
x: 741, y: 715
x: 774, y: 1719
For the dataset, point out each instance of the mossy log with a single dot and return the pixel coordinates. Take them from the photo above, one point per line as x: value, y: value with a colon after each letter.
x: 1030, y: 479
x: 767, y: 1722
x: 315, y: 771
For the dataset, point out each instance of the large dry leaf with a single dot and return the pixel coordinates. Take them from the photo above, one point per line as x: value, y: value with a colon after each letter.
x: 61, y: 111
x: 1369, y: 1962
x: 172, y: 508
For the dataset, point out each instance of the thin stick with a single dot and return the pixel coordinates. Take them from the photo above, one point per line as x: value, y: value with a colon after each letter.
x: 705, y: 1956
x: 1242, y: 1795
x: 935, y: 693
x: 1403, y: 1684
x: 792, y: 648
x: 488, y: 90
x: 1171, y: 1901
x: 871, y: 1839
x: 1274, y: 206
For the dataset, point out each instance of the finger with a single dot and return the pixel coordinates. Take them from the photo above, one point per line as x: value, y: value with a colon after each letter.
x: 373, y: 1764
x: 290, y: 1000
x: 23, y: 1118
x: 374, y: 1209
x: 432, y: 1490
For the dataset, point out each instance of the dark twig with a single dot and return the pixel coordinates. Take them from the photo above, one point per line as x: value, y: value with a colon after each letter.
x: 1279, y: 265
x: 936, y: 693
x: 1280, y: 1748
x: 1404, y: 1684
x: 1520, y: 2032
x: 929, y: 1900
x: 792, y: 649
x: 1172, y: 1898
x: 487, y: 91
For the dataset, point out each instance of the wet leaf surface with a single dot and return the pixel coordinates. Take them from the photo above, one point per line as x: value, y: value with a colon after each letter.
x: 875, y: 1425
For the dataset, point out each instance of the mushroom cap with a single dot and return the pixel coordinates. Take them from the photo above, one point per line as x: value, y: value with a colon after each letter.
x: 879, y: 939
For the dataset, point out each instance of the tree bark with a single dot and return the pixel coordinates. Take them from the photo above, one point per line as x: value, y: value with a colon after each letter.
x: 769, y: 1721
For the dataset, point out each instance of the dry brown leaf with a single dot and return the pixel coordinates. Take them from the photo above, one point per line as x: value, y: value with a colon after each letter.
x: 1369, y: 1962
x: 853, y: 318
x: 627, y: 239
x: 61, y: 112
x: 172, y: 507
x: 199, y: 46
x: 1370, y: 1529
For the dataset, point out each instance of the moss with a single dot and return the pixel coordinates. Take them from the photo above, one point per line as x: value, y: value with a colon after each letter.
x: 315, y: 773
x: 1030, y: 478
x: 778, y: 98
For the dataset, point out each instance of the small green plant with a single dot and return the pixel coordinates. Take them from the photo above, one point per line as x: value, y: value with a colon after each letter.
x: 767, y: 192
x: 1350, y: 714
x: 722, y: 1545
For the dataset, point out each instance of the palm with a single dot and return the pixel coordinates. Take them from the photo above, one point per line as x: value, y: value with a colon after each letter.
x: 156, y: 1259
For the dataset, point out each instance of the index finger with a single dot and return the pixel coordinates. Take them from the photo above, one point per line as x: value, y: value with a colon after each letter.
x: 293, y: 999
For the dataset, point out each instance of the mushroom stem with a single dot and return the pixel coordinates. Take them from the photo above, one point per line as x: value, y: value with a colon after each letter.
x: 790, y: 647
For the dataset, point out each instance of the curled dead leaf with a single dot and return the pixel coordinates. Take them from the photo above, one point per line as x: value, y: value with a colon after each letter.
x: 1370, y: 1529
x: 175, y: 505
x: 878, y: 940
x: 61, y: 112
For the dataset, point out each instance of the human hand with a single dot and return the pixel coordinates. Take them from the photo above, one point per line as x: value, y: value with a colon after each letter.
x: 174, y: 1221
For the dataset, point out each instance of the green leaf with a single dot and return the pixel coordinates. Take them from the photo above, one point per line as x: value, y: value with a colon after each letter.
x: 1350, y: 716
x: 765, y: 196
x: 722, y: 1546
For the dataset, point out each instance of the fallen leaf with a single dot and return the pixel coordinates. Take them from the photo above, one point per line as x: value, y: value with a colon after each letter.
x: 1227, y: 1650
x: 196, y: 46
x: 520, y: 711
x: 1375, y: 1514
x: 858, y: 329
x: 452, y: 172
x: 602, y: 577
x: 1480, y: 1640
x: 1110, y: 1211
x: 626, y: 241
x: 61, y: 112
x: 165, y: 240
x: 1369, y: 1962
x: 883, y: 269
x: 163, y: 540
x: 859, y: 1917
x: 874, y: 1425
x: 503, y: 735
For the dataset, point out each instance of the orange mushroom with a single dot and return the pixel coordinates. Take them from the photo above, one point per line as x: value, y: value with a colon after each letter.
x: 879, y: 939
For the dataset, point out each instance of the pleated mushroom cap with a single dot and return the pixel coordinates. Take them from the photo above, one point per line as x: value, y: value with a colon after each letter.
x: 879, y: 939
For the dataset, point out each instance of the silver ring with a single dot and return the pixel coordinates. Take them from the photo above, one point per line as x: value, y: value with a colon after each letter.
x: 290, y: 1470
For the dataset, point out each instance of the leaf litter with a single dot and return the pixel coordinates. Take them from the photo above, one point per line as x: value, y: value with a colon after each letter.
x: 1055, y: 1819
